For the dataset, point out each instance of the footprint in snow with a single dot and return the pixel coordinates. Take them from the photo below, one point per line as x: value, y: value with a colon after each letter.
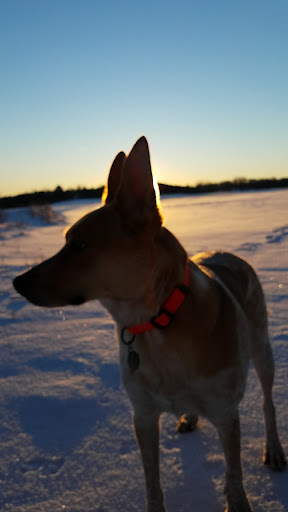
x: 16, y: 305
x: 48, y: 466
x: 278, y: 235
x: 4, y: 296
x: 250, y: 247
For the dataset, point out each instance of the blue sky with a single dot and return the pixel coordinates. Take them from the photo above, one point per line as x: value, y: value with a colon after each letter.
x: 206, y: 81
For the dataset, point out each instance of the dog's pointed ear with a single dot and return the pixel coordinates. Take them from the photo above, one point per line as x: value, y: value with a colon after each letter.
x: 114, y: 178
x: 136, y: 199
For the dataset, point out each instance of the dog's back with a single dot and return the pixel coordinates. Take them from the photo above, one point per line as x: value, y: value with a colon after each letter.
x: 240, y: 279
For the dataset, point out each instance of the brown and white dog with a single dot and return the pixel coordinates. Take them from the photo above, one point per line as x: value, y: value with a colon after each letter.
x: 194, y: 365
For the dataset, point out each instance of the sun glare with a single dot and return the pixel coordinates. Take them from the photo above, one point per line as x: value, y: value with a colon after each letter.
x: 157, y: 191
x: 104, y: 194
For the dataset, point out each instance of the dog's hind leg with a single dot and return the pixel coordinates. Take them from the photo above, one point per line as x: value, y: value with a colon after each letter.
x: 264, y: 364
x: 147, y: 433
x: 187, y: 423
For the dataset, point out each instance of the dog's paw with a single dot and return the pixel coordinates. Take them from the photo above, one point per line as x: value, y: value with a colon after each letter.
x: 236, y: 499
x: 156, y: 507
x: 274, y: 457
x: 187, y: 423
x: 239, y: 506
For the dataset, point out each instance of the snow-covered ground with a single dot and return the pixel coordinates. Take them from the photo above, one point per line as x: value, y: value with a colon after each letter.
x: 66, y: 439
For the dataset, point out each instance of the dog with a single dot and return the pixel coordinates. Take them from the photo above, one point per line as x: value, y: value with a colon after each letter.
x: 187, y: 328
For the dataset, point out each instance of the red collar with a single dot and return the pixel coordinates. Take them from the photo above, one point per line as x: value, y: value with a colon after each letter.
x: 168, y: 310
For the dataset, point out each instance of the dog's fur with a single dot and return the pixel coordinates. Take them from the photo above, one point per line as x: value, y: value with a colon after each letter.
x: 123, y: 256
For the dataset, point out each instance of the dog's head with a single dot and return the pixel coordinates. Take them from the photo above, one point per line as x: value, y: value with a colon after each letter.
x: 110, y: 251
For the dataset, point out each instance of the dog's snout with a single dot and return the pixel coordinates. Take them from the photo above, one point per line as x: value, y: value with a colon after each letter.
x: 39, y: 288
x: 25, y: 285
x: 28, y: 285
x: 19, y: 284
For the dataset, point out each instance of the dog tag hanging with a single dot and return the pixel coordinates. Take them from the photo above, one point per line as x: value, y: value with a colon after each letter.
x: 133, y: 359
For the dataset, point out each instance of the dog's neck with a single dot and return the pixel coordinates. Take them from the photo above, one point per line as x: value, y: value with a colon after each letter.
x: 168, y: 271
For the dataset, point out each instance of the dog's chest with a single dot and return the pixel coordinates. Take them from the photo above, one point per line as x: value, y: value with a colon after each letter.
x: 163, y: 383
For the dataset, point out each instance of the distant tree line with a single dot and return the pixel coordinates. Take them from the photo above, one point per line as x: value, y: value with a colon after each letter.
x: 48, y: 197
x: 238, y: 184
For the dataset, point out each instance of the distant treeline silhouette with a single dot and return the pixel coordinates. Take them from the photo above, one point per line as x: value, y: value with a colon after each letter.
x: 238, y: 184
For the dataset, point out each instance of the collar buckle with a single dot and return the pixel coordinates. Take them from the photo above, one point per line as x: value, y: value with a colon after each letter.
x: 163, y: 319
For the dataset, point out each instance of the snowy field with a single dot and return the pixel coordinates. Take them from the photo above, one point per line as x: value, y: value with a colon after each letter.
x: 66, y: 440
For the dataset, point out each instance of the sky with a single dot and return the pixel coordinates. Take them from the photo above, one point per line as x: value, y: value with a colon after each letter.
x: 205, y: 81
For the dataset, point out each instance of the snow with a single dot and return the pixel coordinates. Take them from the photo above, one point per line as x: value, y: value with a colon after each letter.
x: 66, y: 439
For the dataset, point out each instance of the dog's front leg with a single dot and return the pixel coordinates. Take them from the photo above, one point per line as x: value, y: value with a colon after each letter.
x: 229, y: 432
x: 147, y: 433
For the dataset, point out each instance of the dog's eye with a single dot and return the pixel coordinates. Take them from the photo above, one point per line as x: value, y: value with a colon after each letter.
x: 78, y: 245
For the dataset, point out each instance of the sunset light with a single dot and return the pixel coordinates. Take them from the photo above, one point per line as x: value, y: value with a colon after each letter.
x: 75, y: 92
x: 156, y: 188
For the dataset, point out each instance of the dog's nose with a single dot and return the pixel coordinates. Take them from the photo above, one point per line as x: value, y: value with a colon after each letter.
x: 25, y: 286
x: 18, y: 284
